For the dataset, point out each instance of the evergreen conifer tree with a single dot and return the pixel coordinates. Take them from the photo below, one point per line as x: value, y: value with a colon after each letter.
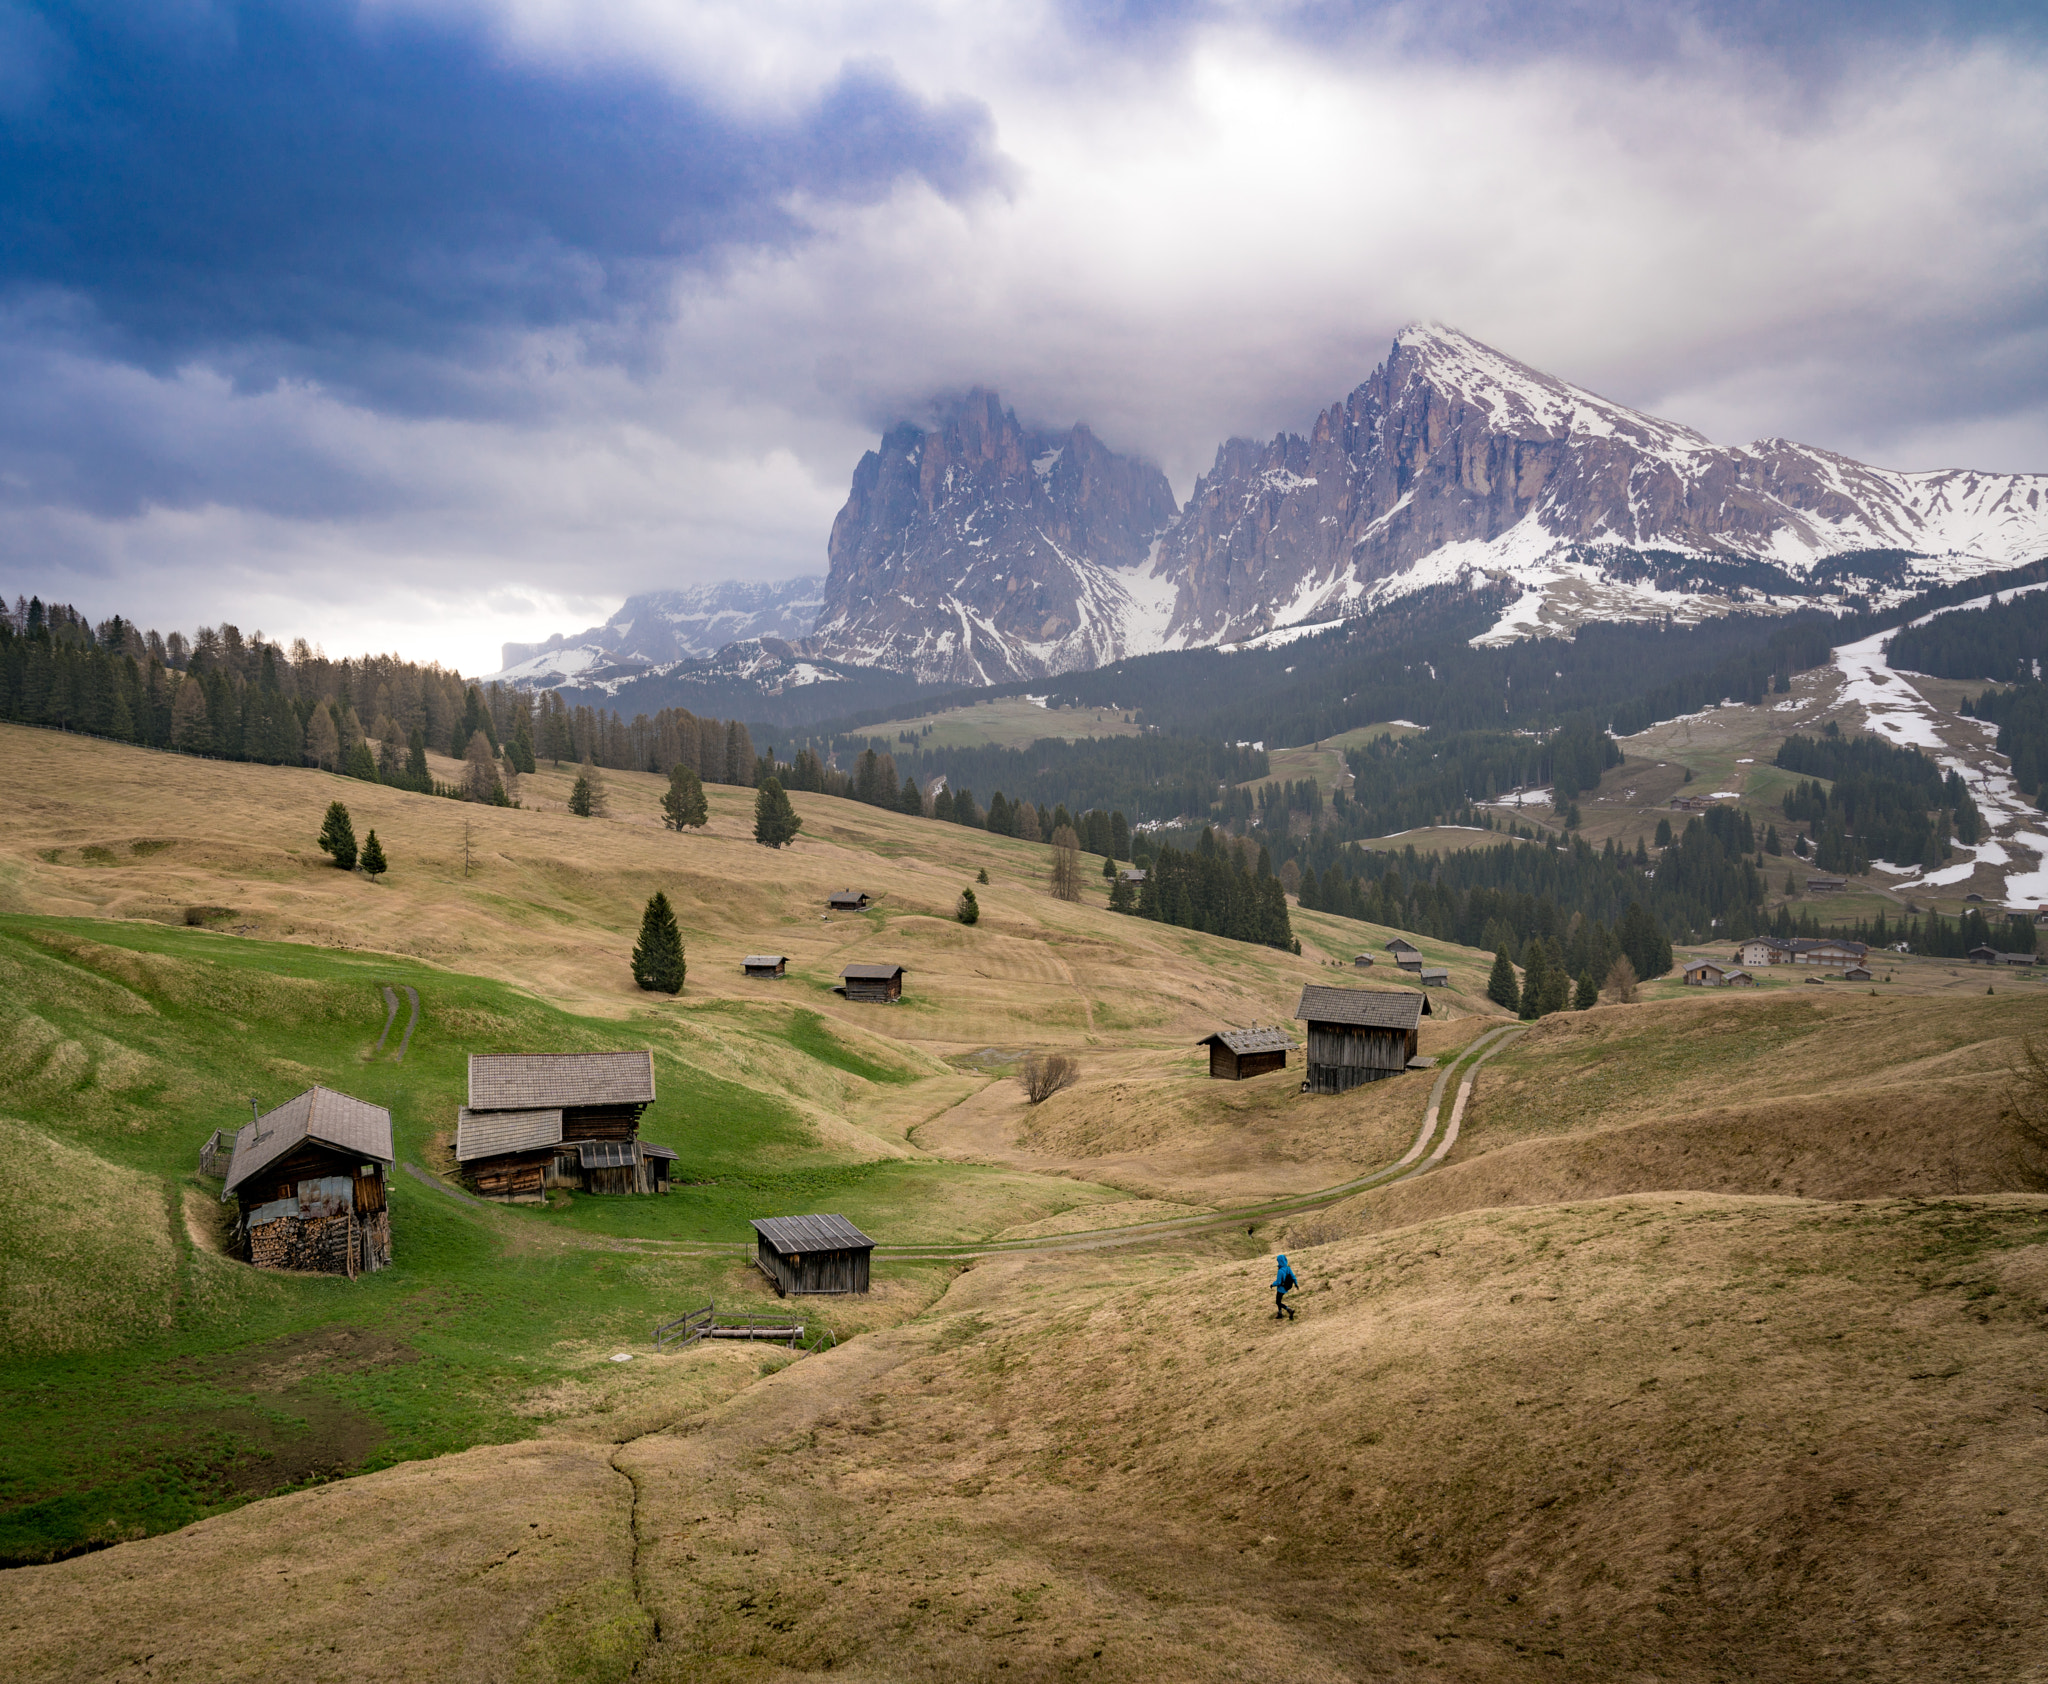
x: 373, y: 857
x: 417, y: 777
x: 1535, y: 980
x: 579, y: 797
x: 361, y: 763
x: 338, y: 836
x: 1122, y: 899
x: 910, y: 801
x: 1108, y: 869
x: 1589, y: 993
x: 942, y: 806
x: 981, y: 876
x: 658, y: 956
x: 683, y: 805
x: 969, y: 909
x: 775, y: 820
x: 1501, y: 987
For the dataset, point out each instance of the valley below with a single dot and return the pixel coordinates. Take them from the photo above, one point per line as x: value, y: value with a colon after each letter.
x: 1694, y: 1338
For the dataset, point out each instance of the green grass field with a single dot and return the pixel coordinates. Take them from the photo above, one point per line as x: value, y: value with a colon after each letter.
x: 1006, y: 722
x: 151, y: 1381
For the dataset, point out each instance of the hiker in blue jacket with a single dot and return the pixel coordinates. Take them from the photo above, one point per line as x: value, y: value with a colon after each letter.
x: 1283, y: 1283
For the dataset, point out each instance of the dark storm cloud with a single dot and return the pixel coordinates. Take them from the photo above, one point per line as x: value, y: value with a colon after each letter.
x: 299, y: 187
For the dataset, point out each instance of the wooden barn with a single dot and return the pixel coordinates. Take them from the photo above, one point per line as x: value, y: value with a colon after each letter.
x: 1739, y: 979
x: 848, y: 900
x: 1435, y: 976
x: 812, y: 1254
x: 766, y: 965
x: 1235, y: 1054
x: 311, y: 1182
x: 1703, y: 973
x: 1857, y: 973
x: 1402, y: 948
x: 1358, y: 1034
x: 881, y: 984
x: 541, y: 1120
x: 1362, y: 961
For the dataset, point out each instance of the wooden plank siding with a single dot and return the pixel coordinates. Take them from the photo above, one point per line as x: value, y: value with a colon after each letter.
x: 1342, y: 1056
x: 813, y: 1271
x: 1227, y: 1066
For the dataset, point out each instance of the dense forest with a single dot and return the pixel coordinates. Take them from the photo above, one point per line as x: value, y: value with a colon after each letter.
x: 2003, y: 640
x: 2021, y: 714
x: 1888, y: 803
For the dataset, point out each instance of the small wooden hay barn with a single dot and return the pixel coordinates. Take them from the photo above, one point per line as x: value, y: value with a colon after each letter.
x: 1856, y: 973
x: 1235, y: 1054
x: 812, y: 1254
x: 879, y: 983
x: 310, y: 1180
x: 1358, y: 1035
x: 766, y: 965
x: 533, y: 1120
x: 1703, y: 973
x: 1363, y: 962
x: 1400, y: 945
x: 1436, y: 976
x: 847, y: 900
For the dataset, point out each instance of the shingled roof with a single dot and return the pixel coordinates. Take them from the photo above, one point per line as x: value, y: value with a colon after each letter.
x: 491, y: 1134
x: 1367, y: 1008
x: 318, y: 1114
x: 871, y: 973
x: 793, y: 1235
x: 1242, y: 1041
x: 543, y: 1081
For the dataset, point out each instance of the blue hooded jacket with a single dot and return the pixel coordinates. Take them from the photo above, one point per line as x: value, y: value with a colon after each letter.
x: 1285, y: 1279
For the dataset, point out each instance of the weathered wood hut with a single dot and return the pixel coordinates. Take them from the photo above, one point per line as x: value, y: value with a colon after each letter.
x: 1401, y: 946
x: 1358, y: 1034
x: 1435, y: 976
x: 1362, y: 961
x: 1739, y: 979
x: 1857, y: 973
x: 766, y: 965
x: 1703, y: 973
x: 812, y: 1254
x: 541, y: 1120
x: 1818, y: 885
x: 310, y: 1179
x: 848, y: 900
x: 882, y: 984
x: 1235, y: 1054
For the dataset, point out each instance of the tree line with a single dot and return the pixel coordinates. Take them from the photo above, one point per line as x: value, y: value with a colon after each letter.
x: 1886, y: 802
x: 2021, y: 714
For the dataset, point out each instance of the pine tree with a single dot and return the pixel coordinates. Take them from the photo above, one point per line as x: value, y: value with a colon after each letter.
x: 361, y: 763
x: 1589, y: 993
x: 1108, y: 869
x: 981, y: 876
x: 1122, y: 899
x: 658, y: 957
x: 1501, y: 987
x: 683, y: 805
x: 373, y: 857
x: 910, y: 801
x: 417, y: 777
x: 775, y: 820
x: 969, y: 909
x: 1535, y: 980
x: 1120, y: 836
x: 338, y: 836
x: 588, y: 798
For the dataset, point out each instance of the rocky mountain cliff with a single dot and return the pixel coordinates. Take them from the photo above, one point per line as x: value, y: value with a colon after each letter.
x: 657, y: 628
x: 1453, y: 459
x: 978, y: 551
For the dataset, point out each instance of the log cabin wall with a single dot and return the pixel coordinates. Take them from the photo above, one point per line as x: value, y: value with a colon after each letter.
x: 1341, y: 1056
x: 600, y: 1122
x: 315, y: 1209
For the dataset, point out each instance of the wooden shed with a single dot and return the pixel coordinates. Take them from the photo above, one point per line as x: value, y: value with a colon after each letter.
x: 1401, y: 946
x: 1739, y: 979
x: 848, y: 900
x: 1857, y: 973
x: 1358, y: 1034
x: 1362, y: 961
x: 879, y: 983
x: 767, y: 965
x: 1436, y: 976
x: 1703, y: 973
x: 533, y: 1120
x: 1235, y: 1054
x: 812, y: 1254
x: 311, y: 1180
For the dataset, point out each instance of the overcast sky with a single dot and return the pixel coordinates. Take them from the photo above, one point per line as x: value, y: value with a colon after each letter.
x: 424, y: 324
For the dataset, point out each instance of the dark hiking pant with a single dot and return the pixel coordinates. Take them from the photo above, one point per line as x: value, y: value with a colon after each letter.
x: 1280, y: 1305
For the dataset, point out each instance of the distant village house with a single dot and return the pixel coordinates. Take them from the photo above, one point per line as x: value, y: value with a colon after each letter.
x: 1827, y: 950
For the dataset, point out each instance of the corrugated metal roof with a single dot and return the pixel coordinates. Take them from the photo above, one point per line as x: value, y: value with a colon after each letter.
x: 870, y: 973
x: 1251, y: 1040
x: 607, y: 1154
x: 333, y: 1119
x: 790, y: 1235
x: 491, y: 1134
x: 1368, y: 1008
x: 537, y: 1081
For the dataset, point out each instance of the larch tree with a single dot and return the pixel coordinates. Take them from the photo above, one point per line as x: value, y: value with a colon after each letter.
x: 1066, y: 863
x: 1027, y: 823
x: 338, y: 836
x: 683, y: 806
x: 480, y: 780
x: 323, y: 742
x: 191, y: 726
x: 658, y: 964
